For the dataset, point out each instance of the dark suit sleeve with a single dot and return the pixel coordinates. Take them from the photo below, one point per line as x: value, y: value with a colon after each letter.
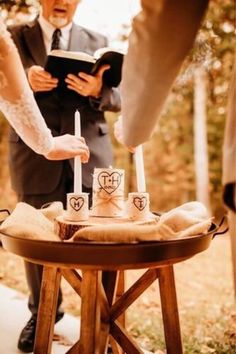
x: 17, y: 36
x: 110, y: 97
x: 109, y: 100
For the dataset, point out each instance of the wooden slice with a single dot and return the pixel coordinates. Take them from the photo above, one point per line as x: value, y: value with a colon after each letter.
x: 66, y: 229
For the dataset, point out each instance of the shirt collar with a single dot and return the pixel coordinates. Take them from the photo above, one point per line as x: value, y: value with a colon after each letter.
x: 48, y: 28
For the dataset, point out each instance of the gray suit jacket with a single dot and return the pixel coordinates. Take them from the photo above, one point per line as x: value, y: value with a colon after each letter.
x: 32, y: 173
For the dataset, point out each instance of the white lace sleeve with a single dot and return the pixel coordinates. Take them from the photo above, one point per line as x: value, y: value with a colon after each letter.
x: 16, y: 99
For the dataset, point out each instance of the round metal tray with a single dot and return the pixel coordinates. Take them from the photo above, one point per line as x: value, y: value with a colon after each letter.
x: 107, y: 255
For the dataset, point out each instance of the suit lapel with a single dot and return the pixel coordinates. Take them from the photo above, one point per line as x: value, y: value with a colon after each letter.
x: 34, y: 41
x: 79, y: 40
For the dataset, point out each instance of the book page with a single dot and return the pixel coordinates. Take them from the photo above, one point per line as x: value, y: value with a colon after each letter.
x: 72, y: 55
x: 99, y: 52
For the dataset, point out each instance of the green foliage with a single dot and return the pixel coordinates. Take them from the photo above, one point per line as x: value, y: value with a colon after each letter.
x: 169, y: 158
x: 17, y: 5
x: 15, y: 11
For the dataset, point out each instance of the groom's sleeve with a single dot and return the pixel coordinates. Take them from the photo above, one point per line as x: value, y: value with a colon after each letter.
x: 162, y: 34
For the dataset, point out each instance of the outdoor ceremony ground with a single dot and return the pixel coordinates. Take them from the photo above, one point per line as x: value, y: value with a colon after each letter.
x: 205, y: 297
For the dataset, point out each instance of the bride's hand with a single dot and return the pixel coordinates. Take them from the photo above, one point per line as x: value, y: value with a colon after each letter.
x: 118, y: 133
x: 68, y: 146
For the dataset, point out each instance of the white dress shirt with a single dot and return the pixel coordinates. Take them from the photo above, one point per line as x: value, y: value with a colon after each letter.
x: 48, y: 29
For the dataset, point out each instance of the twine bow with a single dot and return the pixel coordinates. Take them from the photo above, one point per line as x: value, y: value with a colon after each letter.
x: 113, y: 199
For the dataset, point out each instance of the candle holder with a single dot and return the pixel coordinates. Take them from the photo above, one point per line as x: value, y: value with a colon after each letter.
x: 77, y: 207
x: 108, y: 192
x: 138, y: 206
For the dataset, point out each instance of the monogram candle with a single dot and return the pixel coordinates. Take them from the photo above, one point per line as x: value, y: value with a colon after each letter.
x: 138, y: 206
x: 77, y: 207
x: 108, y: 192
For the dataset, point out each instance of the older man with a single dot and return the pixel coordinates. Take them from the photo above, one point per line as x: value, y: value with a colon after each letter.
x: 36, y: 180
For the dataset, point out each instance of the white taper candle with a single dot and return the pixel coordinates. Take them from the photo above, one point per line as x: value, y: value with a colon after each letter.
x: 139, y: 165
x: 77, y: 160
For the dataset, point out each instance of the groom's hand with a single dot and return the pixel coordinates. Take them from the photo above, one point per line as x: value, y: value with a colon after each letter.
x: 118, y: 133
x: 40, y: 80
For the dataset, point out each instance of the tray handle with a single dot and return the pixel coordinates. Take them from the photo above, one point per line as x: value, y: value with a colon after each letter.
x: 223, y: 223
x: 2, y: 211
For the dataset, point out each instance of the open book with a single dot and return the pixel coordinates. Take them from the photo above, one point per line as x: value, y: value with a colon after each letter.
x: 60, y: 63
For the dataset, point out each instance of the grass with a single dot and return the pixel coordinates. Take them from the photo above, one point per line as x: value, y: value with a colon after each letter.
x: 206, y: 305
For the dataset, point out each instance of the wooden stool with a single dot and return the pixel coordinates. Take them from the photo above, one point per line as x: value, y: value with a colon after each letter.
x: 101, y: 309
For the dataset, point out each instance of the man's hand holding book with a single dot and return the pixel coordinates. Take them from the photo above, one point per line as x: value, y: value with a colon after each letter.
x: 85, y: 84
x: 83, y: 73
x: 41, y: 80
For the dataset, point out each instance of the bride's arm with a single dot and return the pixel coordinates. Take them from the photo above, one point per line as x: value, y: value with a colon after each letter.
x: 18, y: 105
x: 17, y: 101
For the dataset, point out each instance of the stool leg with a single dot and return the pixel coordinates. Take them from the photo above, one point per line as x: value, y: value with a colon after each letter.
x: 120, y: 291
x: 169, y: 308
x: 109, y: 281
x: 47, y: 310
x: 90, y: 312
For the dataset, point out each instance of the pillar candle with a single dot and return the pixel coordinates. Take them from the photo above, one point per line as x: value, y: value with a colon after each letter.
x: 77, y: 160
x: 139, y: 166
x: 108, y: 192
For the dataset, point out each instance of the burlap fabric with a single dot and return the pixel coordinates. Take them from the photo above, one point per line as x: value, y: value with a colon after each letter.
x: 28, y: 222
x: 189, y: 219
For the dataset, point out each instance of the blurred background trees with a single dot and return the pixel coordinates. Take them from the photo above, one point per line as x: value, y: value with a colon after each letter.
x: 183, y: 158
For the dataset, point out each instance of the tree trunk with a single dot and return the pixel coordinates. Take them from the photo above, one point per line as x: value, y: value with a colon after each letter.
x: 200, y: 137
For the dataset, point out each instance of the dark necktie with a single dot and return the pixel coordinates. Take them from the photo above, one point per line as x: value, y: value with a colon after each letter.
x: 56, y: 39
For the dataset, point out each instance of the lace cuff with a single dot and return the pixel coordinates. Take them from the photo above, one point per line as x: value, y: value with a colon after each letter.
x: 26, y: 119
x: 17, y: 100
